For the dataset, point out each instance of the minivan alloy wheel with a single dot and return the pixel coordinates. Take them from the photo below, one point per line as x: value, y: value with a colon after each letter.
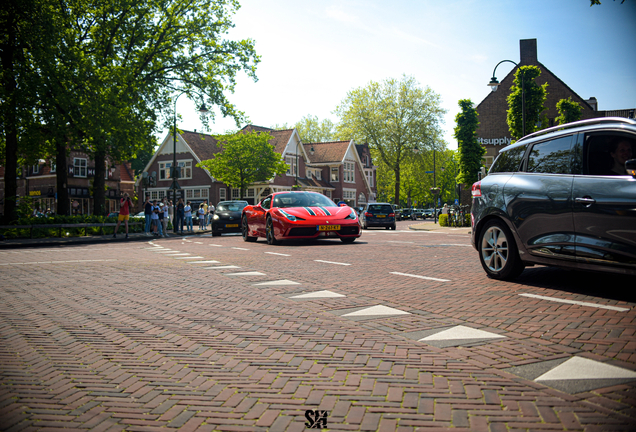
x: 494, y: 248
x: 498, y: 252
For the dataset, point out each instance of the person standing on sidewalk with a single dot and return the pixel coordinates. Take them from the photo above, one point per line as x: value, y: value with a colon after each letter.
x: 148, y: 214
x: 155, y: 218
x: 210, y: 215
x: 180, y: 215
x: 202, y: 216
x: 188, y: 216
x: 160, y: 215
x: 125, y: 204
x: 166, y: 215
x: 205, y: 214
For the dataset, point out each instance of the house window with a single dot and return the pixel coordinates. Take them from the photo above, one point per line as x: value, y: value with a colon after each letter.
x: 329, y: 194
x: 349, y: 172
x: 236, y: 194
x: 197, y: 193
x: 291, y: 165
x: 348, y: 194
x: 369, y: 174
x: 164, y: 170
x: 319, y: 174
x: 53, y: 166
x: 161, y: 195
x: 251, y: 193
x: 361, y: 198
x: 35, y: 169
x: 335, y: 174
x: 189, y: 193
x: 186, y: 169
x: 79, y: 167
x: 222, y: 194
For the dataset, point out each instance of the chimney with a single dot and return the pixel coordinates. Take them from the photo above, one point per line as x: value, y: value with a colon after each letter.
x: 593, y: 103
x: 528, y: 51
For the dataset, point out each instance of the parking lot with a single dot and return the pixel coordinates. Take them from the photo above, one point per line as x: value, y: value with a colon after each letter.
x: 397, y: 331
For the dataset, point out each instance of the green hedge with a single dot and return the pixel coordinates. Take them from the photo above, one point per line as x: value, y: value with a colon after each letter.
x: 44, y: 232
x: 443, y: 220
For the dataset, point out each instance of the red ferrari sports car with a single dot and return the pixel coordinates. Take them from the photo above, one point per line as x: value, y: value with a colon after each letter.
x: 298, y: 215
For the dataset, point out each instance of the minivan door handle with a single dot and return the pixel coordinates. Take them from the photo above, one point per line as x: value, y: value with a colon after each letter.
x: 586, y: 201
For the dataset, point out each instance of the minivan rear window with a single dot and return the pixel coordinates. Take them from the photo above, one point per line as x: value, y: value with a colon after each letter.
x: 508, y: 161
x: 380, y: 209
x: 551, y: 157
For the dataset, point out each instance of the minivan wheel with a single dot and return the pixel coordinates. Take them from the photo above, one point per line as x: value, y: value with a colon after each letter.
x: 498, y: 252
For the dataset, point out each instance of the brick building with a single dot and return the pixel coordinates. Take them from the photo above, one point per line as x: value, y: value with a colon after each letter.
x: 39, y: 181
x: 333, y: 169
x: 493, y: 130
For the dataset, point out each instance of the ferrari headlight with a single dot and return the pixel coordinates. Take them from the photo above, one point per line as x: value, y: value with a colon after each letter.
x: 352, y: 215
x: 288, y: 216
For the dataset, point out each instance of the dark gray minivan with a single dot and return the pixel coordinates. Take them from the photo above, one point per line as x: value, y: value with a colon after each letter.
x: 564, y: 196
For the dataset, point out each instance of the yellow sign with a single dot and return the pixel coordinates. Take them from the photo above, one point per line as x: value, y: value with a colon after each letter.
x: 34, y: 193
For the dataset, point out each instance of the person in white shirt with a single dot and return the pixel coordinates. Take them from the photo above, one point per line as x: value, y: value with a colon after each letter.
x: 202, y: 216
x: 188, y: 216
x: 154, y: 218
x: 166, y: 216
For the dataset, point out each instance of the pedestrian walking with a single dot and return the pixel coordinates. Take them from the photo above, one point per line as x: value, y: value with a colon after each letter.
x: 147, y: 214
x: 210, y: 215
x: 125, y: 204
x: 202, y: 216
x: 188, y: 216
x: 180, y: 215
x: 171, y: 213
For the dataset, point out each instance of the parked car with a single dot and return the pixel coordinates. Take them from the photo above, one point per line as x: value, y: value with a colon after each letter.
x: 378, y: 215
x: 298, y: 215
x: 428, y: 213
x: 406, y: 213
x: 227, y: 217
x: 418, y: 214
x: 564, y: 196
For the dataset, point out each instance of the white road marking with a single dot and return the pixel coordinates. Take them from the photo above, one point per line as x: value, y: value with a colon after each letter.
x: 189, y: 257
x: 199, y: 242
x: 574, y: 302
x: 277, y: 283
x: 462, y: 332
x: 420, y: 277
x: 168, y: 251
x: 332, y: 262
x: 377, y: 310
x: 237, y: 248
x: 276, y: 253
x: 455, y: 244
x: 397, y: 241
x: 216, y: 245
x: 249, y: 273
x: 222, y: 267
x: 177, y: 254
x: 578, y: 368
x: 203, y: 262
x: 318, y: 294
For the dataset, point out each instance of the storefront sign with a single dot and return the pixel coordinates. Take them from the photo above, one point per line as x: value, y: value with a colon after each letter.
x: 35, y: 193
x: 494, y: 141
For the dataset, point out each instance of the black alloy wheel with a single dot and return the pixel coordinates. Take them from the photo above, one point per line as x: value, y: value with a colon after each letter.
x: 269, y: 232
x: 245, y: 230
x: 498, y: 251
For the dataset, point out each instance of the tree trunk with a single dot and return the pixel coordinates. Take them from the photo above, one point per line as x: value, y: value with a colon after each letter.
x: 62, y: 177
x: 10, y: 126
x: 99, y: 184
x: 397, y: 186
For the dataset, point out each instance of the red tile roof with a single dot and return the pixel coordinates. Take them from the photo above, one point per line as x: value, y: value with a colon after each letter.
x: 125, y: 174
x: 326, y: 152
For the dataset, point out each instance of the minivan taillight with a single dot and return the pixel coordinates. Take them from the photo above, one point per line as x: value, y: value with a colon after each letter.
x: 391, y: 214
x: 367, y: 214
x: 475, y: 191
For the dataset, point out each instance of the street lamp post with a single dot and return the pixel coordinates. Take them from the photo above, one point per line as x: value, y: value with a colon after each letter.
x: 494, y: 84
x: 175, y: 171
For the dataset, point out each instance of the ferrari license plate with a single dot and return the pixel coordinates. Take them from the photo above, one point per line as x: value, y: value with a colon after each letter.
x: 231, y: 226
x: 328, y: 227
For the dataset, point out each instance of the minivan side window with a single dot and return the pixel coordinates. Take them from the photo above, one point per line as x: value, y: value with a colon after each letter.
x: 508, y: 161
x: 605, y: 152
x: 551, y: 157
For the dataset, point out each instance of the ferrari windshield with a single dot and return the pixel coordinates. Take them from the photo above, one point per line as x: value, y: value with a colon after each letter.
x: 238, y: 206
x: 302, y: 199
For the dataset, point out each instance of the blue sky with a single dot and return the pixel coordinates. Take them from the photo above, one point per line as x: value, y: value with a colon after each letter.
x: 314, y: 52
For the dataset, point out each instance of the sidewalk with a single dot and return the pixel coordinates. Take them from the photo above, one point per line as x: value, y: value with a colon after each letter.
x: 66, y: 241
x: 430, y: 226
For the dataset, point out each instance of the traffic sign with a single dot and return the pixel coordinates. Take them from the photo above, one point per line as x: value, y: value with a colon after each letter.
x: 429, y: 172
x: 456, y: 201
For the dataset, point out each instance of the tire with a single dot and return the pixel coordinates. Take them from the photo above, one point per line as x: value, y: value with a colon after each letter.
x: 498, y: 251
x: 347, y: 239
x: 245, y: 231
x: 387, y: 228
x: 269, y: 232
x: 393, y: 227
x: 215, y: 234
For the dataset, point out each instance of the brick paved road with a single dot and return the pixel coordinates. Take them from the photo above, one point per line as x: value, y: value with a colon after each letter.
x: 123, y: 337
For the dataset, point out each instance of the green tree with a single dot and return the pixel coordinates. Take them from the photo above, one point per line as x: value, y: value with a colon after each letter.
x: 569, y: 111
x: 112, y: 68
x: 395, y: 117
x: 246, y: 158
x: 312, y: 130
x: 535, y: 97
x: 470, y: 151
